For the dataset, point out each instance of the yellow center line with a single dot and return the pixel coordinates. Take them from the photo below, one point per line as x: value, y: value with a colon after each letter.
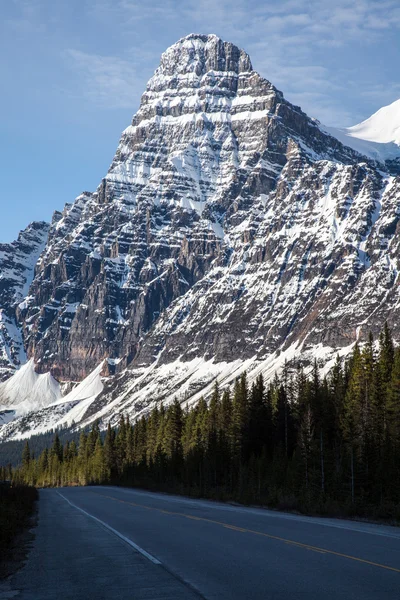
x: 236, y: 528
x: 254, y: 532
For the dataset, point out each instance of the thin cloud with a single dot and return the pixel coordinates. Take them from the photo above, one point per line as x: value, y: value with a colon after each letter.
x: 282, y: 38
x: 382, y: 94
x: 27, y: 17
x: 107, y: 81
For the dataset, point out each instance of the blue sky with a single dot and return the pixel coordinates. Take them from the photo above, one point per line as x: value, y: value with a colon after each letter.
x: 72, y: 73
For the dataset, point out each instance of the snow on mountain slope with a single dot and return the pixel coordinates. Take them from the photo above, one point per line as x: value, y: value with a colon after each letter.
x: 230, y: 231
x: 38, y: 405
x: 81, y: 397
x: 378, y: 137
x: 382, y: 127
x: 26, y: 390
x: 140, y: 389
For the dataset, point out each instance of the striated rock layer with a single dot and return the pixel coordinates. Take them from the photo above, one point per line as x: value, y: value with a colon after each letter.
x: 230, y: 225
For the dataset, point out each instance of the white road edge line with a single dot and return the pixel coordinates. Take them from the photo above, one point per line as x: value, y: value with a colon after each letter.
x: 115, y: 532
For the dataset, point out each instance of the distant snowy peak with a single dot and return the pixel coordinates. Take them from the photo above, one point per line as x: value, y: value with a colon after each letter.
x: 378, y: 137
x: 382, y: 127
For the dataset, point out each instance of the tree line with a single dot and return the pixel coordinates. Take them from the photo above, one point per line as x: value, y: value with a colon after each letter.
x: 11, y: 450
x: 325, y: 444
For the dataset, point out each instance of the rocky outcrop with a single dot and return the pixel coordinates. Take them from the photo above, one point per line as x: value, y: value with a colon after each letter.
x: 17, y: 267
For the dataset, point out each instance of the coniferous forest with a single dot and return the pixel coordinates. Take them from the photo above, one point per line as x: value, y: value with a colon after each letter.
x: 328, y: 445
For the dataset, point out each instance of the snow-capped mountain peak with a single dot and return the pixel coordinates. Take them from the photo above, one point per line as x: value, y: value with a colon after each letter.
x: 230, y: 232
x: 378, y: 137
x: 382, y: 127
x: 199, y: 54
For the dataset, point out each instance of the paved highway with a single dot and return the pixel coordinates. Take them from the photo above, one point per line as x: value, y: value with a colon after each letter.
x: 107, y: 542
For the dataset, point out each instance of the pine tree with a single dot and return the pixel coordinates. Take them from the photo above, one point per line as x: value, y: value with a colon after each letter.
x: 43, y: 465
x: 110, y: 458
x: 306, y: 437
x: 240, y: 413
x: 153, y: 424
x: 98, y: 468
x: 214, y: 457
x: 57, y: 449
x: 260, y: 419
x: 92, y: 438
x: 66, y: 455
x: 72, y: 450
x: 214, y: 407
x: 351, y: 425
x: 26, y: 456
x: 318, y: 411
x: 386, y: 354
x: 130, y: 449
x: 337, y: 389
x: 120, y: 444
x: 392, y: 445
x: 393, y: 402
x: 284, y: 426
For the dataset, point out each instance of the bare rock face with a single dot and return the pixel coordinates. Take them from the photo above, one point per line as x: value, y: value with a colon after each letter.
x: 229, y: 225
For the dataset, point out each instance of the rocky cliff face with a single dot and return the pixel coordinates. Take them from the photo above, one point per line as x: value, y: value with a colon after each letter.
x: 230, y: 226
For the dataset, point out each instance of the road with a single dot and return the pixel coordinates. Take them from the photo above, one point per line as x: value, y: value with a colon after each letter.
x: 107, y: 542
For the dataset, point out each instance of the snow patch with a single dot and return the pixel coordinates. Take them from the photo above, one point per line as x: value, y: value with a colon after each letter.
x: 81, y: 397
x: 27, y: 390
x: 378, y: 137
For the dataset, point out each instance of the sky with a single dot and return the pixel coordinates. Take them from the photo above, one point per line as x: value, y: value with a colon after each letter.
x: 72, y: 73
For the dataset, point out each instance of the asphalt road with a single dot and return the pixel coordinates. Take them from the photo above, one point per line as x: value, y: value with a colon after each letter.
x: 106, y: 542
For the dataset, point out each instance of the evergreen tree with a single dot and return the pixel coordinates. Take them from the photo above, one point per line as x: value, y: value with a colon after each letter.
x: 260, y: 419
x: 98, y: 466
x: 110, y: 456
x: 130, y: 448
x: 57, y: 449
x: 120, y: 445
x: 26, y: 456
x: 92, y: 438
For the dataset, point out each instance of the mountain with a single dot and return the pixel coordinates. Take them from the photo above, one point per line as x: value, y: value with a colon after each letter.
x: 231, y: 232
x: 378, y: 137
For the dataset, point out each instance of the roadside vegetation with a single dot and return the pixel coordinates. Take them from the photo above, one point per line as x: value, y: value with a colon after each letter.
x: 17, y: 505
x: 326, y: 445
